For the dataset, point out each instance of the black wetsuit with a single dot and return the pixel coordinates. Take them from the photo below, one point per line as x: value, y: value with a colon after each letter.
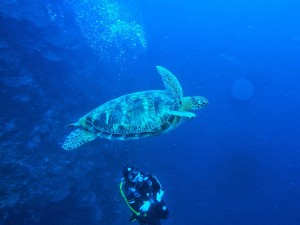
x: 145, y: 189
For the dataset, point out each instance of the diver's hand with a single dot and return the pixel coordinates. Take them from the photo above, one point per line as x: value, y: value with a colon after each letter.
x: 145, y: 207
x: 159, y: 195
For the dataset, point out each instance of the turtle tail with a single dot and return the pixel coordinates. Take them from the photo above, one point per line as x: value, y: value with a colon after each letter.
x: 76, y: 124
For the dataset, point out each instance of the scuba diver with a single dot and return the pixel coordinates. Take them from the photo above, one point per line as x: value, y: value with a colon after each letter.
x: 143, y: 194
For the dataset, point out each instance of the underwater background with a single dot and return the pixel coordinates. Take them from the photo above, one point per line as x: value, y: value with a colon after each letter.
x: 236, y: 163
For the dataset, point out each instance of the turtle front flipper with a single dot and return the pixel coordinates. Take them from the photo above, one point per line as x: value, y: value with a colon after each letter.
x: 77, y: 138
x: 171, y: 82
x: 186, y: 114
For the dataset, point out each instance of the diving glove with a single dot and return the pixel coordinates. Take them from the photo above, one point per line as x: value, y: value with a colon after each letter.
x: 159, y: 195
x: 145, y: 207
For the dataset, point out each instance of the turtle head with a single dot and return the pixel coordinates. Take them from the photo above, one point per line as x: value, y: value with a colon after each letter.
x: 194, y: 102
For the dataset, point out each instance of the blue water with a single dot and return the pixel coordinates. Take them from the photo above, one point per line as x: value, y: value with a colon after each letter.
x: 236, y: 163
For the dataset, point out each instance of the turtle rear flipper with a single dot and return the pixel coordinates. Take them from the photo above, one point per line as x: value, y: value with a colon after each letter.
x: 77, y: 138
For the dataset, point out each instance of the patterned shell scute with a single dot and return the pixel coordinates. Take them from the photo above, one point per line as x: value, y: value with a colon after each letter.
x: 136, y: 113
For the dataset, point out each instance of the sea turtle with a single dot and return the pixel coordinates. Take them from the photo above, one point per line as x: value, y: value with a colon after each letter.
x: 137, y: 115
